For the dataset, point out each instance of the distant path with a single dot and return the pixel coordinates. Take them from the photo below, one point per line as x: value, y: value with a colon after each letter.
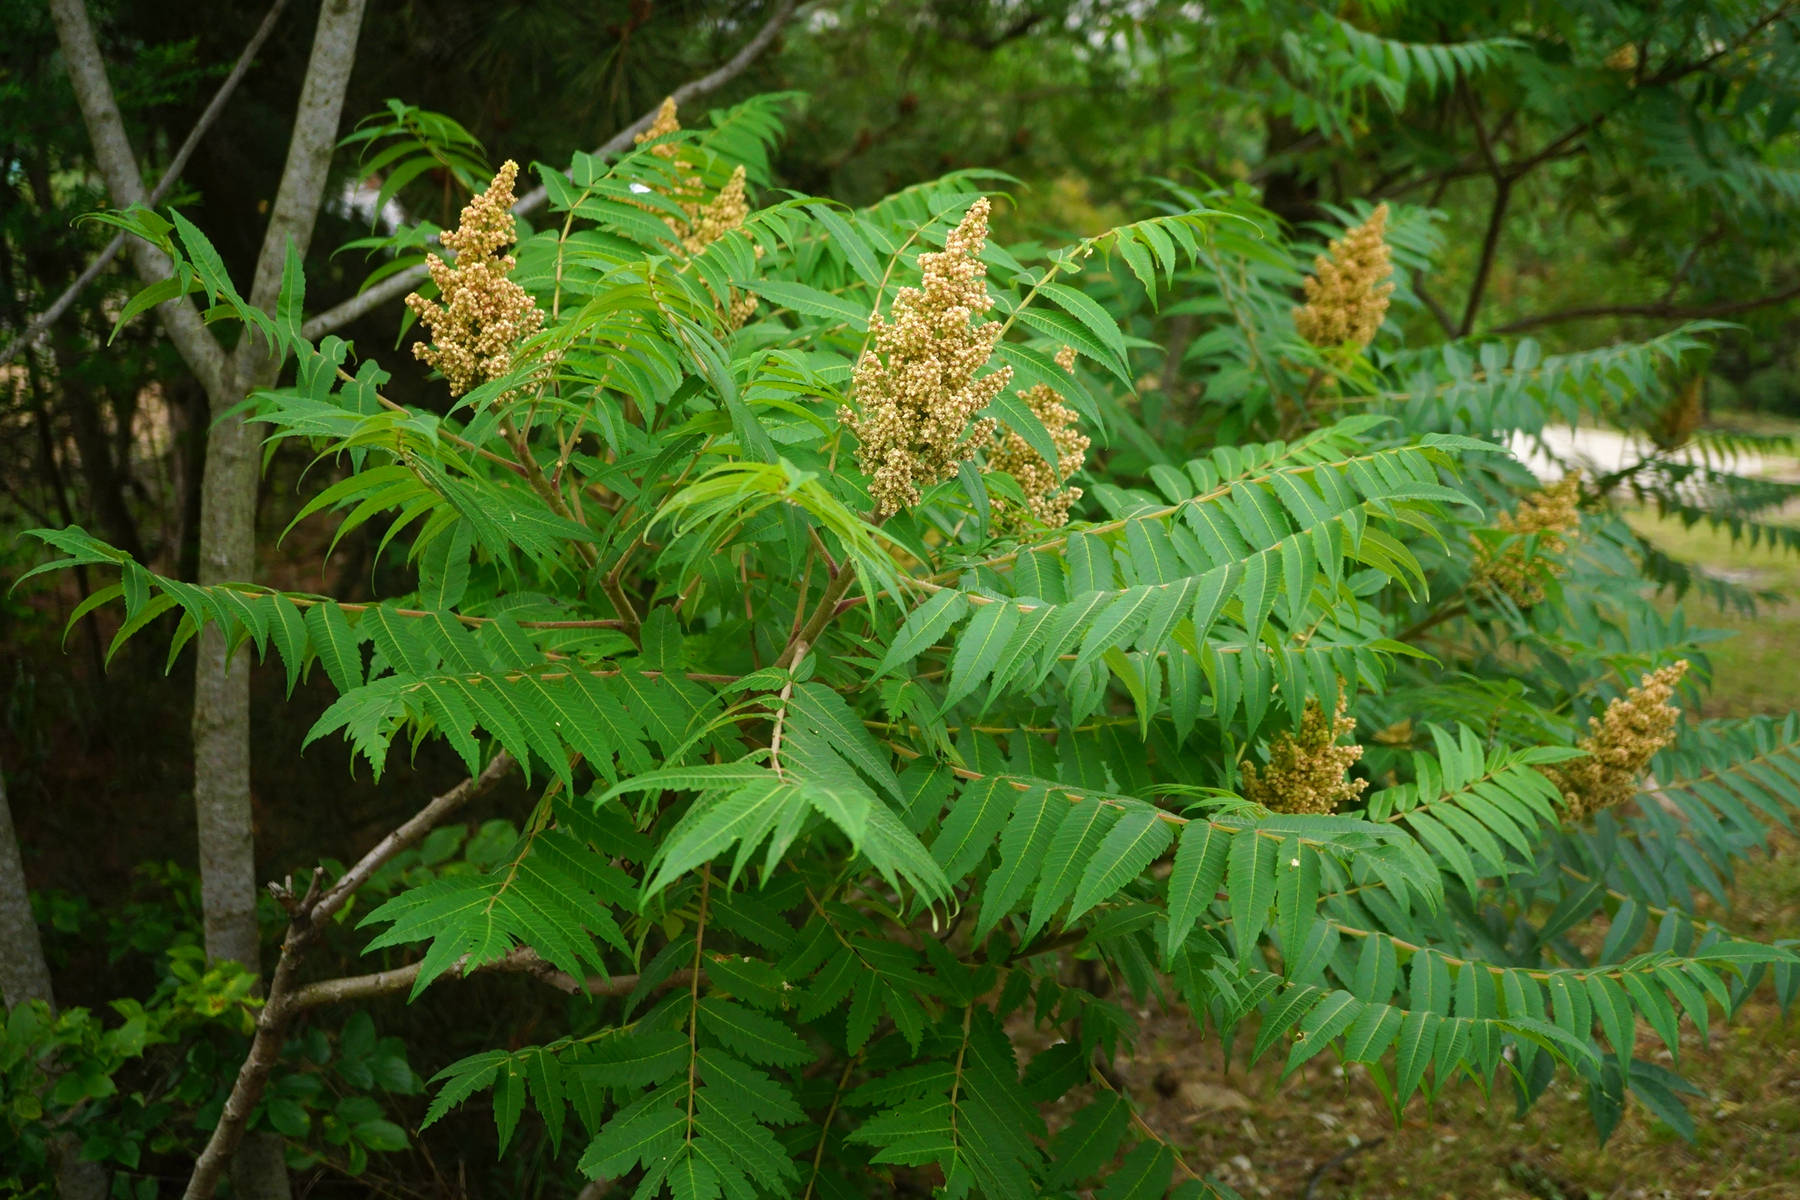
x: 1604, y: 451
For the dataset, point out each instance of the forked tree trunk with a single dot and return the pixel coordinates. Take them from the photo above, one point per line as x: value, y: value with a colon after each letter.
x: 228, y: 509
x: 221, y: 726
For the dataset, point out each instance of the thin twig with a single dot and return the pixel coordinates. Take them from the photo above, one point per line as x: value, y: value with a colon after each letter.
x: 400, y: 283
x: 522, y: 959
x: 1099, y: 1077
x: 825, y: 1125
x: 1336, y: 1160
x: 408, y: 834
x: 176, y: 166
x: 307, y: 917
x: 1490, y: 243
x: 1660, y: 309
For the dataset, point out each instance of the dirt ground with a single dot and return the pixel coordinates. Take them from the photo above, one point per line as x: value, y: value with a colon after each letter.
x: 1327, y: 1134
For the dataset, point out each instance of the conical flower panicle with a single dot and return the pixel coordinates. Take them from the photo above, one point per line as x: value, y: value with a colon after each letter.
x: 684, y: 192
x: 916, y: 391
x: 1047, y: 502
x: 481, y: 314
x: 719, y: 216
x: 1554, y: 515
x: 1306, y: 771
x: 703, y: 221
x: 664, y: 123
x: 1346, y: 296
x: 1620, y: 745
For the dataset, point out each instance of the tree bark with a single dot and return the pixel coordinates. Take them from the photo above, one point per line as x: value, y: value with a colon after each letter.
x: 125, y: 185
x: 228, y: 509
x: 221, y: 725
x: 221, y: 729
x: 306, y: 916
x: 61, y: 305
x: 24, y: 975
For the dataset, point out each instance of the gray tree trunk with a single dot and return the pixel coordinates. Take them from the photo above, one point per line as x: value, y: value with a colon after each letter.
x: 221, y: 725
x: 228, y: 508
x: 24, y: 975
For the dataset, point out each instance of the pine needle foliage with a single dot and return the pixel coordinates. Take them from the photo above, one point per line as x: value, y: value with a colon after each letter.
x: 846, y: 784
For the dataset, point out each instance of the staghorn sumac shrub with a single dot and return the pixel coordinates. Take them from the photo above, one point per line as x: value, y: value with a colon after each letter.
x: 733, y: 545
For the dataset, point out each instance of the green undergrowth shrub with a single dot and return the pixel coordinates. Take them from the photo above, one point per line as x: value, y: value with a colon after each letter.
x: 744, y: 539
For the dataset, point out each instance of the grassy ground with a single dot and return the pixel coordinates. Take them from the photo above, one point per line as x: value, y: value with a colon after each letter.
x: 1758, y: 669
x: 1327, y: 1134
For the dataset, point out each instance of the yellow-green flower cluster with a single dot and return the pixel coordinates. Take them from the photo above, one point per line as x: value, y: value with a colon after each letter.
x: 703, y: 221
x: 719, y: 216
x: 1554, y: 515
x: 1620, y: 745
x: 1307, y: 770
x: 664, y: 123
x: 1047, y: 501
x: 688, y: 189
x: 481, y: 314
x: 916, y: 390
x: 1346, y: 298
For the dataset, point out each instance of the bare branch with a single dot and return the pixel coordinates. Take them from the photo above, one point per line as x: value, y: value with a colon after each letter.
x: 253, y: 1072
x: 308, y: 917
x: 420, y: 824
x: 177, y: 165
x: 118, y: 166
x: 395, y: 286
x: 710, y: 82
x: 1662, y: 309
x: 1490, y: 242
x: 221, y: 723
x: 1432, y: 303
x: 316, y: 118
x: 521, y: 959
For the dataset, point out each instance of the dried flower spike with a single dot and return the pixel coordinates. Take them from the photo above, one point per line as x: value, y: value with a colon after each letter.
x: 1676, y: 423
x: 916, y: 389
x: 481, y: 314
x: 1554, y: 515
x: 1046, y: 500
x: 1346, y: 298
x: 1620, y: 745
x: 1306, y: 771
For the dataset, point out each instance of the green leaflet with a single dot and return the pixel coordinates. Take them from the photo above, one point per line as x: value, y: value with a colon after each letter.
x: 1137, y: 839
x: 1023, y: 843
x: 974, y: 821
x: 923, y: 626
x: 1194, y: 882
x: 1077, y: 839
x: 1251, y: 884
